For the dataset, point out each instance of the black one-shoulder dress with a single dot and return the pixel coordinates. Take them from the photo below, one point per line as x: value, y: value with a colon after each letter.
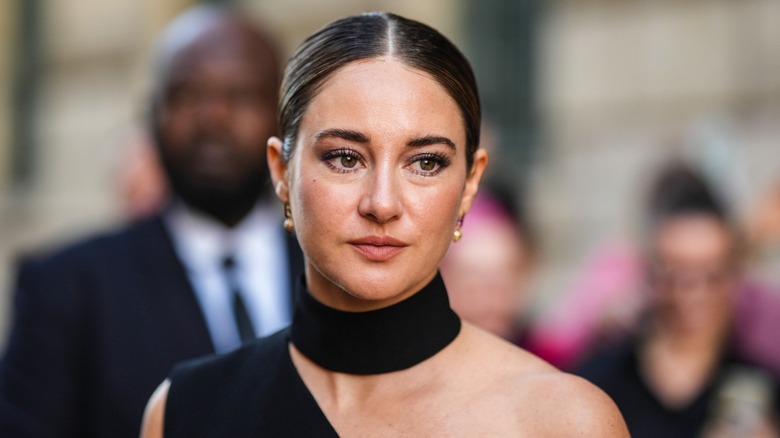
x: 256, y: 390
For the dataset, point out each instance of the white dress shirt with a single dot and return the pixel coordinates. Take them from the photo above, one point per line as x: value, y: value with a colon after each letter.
x: 262, y: 270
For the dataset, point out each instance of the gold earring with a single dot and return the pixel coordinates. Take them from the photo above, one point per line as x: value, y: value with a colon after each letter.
x: 458, y: 234
x: 288, y: 224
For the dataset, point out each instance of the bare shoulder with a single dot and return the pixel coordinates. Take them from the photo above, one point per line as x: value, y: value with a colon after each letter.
x: 505, y: 360
x: 565, y: 405
x: 543, y: 400
x: 154, y: 414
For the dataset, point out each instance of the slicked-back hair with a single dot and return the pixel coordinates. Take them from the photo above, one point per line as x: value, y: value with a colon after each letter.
x: 680, y: 191
x: 373, y: 35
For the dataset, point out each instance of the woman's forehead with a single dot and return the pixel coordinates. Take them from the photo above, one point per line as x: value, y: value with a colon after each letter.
x: 385, y: 94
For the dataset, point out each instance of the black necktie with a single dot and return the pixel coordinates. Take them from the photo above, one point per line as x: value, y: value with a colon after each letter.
x: 245, y: 330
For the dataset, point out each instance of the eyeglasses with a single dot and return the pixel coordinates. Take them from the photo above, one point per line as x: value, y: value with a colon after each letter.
x: 674, y: 278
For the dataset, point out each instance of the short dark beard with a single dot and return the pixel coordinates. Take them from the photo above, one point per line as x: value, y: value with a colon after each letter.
x: 227, y: 206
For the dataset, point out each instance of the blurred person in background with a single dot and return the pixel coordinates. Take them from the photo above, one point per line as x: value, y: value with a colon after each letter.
x: 681, y: 374
x: 99, y: 323
x: 489, y: 271
x: 606, y: 303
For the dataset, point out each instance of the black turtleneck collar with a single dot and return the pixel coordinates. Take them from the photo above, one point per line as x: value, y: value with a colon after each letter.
x: 378, y: 341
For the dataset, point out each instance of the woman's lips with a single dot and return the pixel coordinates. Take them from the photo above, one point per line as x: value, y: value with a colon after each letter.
x: 378, y: 249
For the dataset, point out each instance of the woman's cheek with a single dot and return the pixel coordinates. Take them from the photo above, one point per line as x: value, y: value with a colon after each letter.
x: 321, y: 203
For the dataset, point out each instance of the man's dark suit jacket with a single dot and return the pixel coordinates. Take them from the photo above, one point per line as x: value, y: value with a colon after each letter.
x: 97, y: 326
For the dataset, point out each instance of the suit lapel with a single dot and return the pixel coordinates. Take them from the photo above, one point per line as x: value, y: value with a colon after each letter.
x: 179, y: 307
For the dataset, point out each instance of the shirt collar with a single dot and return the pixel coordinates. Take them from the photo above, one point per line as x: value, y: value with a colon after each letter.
x: 202, y: 241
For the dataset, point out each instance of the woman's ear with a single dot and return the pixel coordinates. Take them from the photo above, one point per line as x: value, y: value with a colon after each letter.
x: 472, y: 180
x: 278, y: 168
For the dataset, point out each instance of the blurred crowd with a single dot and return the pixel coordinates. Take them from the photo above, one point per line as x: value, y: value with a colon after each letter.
x: 672, y: 325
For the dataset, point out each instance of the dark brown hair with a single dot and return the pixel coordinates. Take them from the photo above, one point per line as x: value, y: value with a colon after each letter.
x: 368, y: 36
x: 679, y: 190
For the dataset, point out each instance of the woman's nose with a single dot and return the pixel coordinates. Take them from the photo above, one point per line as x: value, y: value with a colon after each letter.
x: 381, y: 201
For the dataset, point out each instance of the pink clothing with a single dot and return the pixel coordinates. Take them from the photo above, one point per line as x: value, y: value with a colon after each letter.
x: 609, y: 281
x: 758, y: 325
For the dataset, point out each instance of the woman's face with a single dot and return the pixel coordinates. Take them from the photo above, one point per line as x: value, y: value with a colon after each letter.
x: 376, y: 183
x: 694, y: 274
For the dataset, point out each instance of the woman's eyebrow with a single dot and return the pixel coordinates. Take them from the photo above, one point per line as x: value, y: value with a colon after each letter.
x: 359, y: 137
x: 345, y: 134
x: 430, y: 140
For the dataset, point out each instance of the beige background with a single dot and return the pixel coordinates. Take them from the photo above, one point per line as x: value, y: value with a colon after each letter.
x: 620, y: 83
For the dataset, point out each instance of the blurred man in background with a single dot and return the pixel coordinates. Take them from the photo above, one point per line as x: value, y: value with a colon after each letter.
x: 98, y: 324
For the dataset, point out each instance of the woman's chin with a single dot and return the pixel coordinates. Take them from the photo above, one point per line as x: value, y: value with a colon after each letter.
x: 369, y: 289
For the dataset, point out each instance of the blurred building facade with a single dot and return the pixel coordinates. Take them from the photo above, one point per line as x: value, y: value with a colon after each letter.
x: 613, y: 85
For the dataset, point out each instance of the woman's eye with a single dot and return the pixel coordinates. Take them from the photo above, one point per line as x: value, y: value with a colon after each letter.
x: 341, y: 160
x: 348, y: 161
x: 427, y: 164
